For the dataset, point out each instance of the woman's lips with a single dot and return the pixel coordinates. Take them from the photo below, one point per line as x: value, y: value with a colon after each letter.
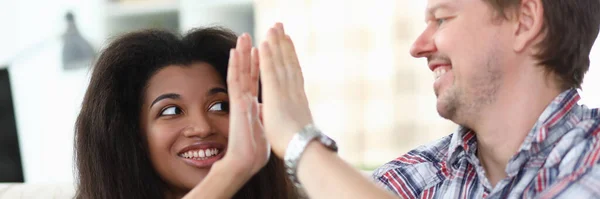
x: 203, y: 162
x: 202, y: 154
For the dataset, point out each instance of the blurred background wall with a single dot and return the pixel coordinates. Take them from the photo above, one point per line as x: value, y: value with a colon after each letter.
x: 364, y: 88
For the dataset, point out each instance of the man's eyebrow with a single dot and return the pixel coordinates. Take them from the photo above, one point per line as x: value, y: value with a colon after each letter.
x: 432, y: 9
x: 443, y: 5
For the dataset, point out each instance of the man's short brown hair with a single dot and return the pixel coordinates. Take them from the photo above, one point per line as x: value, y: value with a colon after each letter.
x: 571, y: 27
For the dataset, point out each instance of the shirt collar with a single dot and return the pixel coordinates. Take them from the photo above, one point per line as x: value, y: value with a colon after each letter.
x: 464, y: 142
x: 547, y: 130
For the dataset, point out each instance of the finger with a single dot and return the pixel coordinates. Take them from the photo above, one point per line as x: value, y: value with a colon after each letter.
x: 233, y: 74
x: 267, y: 68
x: 254, y: 72
x: 292, y: 65
x: 289, y: 52
x: 277, y: 59
x: 240, y: 131
x: 260, y: 112
x: 243, y: 51
x: 280, y: 29
x: 263, y: 149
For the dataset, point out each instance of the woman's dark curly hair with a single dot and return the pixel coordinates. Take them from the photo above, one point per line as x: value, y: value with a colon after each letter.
x: 111, y: 152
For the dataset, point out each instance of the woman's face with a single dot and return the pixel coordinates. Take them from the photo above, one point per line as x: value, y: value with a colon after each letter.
x: 185, y: 119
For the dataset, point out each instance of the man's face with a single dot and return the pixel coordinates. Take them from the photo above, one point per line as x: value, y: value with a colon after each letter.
x: 466, y: 46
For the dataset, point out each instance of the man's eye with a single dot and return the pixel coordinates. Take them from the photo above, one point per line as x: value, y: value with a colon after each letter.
x: 220, y: 107
x: 440, y: 21
x: 173, y: 110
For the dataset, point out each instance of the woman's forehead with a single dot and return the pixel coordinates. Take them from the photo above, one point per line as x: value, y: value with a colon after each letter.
x: 194, y: 79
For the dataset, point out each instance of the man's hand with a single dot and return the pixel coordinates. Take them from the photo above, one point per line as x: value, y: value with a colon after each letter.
x: 285, y: 107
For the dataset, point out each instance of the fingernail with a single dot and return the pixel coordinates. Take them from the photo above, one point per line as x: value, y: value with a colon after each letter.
x: 272, y: 31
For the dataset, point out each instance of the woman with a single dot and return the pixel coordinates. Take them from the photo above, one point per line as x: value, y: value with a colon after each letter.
x: 155, y: 121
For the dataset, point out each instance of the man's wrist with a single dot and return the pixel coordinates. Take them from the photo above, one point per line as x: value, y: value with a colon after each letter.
x: 280, y: 146
x: 314, y: 154
x: 298, y: 145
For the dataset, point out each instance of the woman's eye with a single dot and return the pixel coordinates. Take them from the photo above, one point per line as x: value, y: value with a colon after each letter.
x: 220, y: 107
x: 173, y: 110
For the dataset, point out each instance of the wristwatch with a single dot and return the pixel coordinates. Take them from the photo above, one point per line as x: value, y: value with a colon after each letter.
x: 297, y: 146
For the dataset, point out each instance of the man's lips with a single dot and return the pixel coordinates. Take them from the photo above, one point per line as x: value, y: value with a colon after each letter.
x: 434, y: 64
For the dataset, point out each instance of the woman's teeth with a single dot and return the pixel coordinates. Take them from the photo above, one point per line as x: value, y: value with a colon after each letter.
x: 200, y: 154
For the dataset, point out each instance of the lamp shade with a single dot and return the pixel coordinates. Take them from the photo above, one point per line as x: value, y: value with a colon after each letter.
x: 77, y: 52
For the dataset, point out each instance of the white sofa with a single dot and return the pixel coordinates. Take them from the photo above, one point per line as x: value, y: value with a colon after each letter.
x: 54, y: 190
x: 36, y: 191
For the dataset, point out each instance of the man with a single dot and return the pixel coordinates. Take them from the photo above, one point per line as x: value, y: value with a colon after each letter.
x: 506, y: 72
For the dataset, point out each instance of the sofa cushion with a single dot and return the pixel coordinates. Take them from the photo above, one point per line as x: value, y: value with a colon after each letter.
x: 35, y: 191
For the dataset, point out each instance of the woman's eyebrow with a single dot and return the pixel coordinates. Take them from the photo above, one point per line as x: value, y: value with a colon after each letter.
x: 165, y: 96
x: 216, y: 90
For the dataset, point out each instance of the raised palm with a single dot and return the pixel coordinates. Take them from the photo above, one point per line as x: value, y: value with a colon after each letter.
x: 248, y: 147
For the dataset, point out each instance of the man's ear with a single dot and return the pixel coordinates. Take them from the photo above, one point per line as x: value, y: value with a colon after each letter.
x: 530, y: 20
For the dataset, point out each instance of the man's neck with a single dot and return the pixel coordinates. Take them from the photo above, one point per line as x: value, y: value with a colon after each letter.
x: 503, y: 126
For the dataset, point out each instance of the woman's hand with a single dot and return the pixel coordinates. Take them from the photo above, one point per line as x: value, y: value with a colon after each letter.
x: 248, y: 150
x: 285, y: 106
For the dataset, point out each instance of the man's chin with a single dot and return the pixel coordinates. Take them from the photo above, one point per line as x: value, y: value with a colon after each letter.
x: 445, y: 110
x: 444, y: 115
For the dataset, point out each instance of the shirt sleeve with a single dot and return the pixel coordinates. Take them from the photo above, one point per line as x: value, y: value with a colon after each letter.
x: 584, y: 183
x: 407, y: 181
x: 383, y: 182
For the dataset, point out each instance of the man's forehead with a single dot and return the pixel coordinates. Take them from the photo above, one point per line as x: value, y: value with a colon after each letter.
x: 434, y: 5
x: 434, y: 2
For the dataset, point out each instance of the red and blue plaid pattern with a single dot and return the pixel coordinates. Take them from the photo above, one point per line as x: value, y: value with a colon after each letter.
x: 559, y: 158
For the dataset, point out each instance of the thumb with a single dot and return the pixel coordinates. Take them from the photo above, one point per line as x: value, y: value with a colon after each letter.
x: 260, y: 112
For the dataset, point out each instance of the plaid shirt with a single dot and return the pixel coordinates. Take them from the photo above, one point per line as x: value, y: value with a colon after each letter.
x: 559, y: 158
